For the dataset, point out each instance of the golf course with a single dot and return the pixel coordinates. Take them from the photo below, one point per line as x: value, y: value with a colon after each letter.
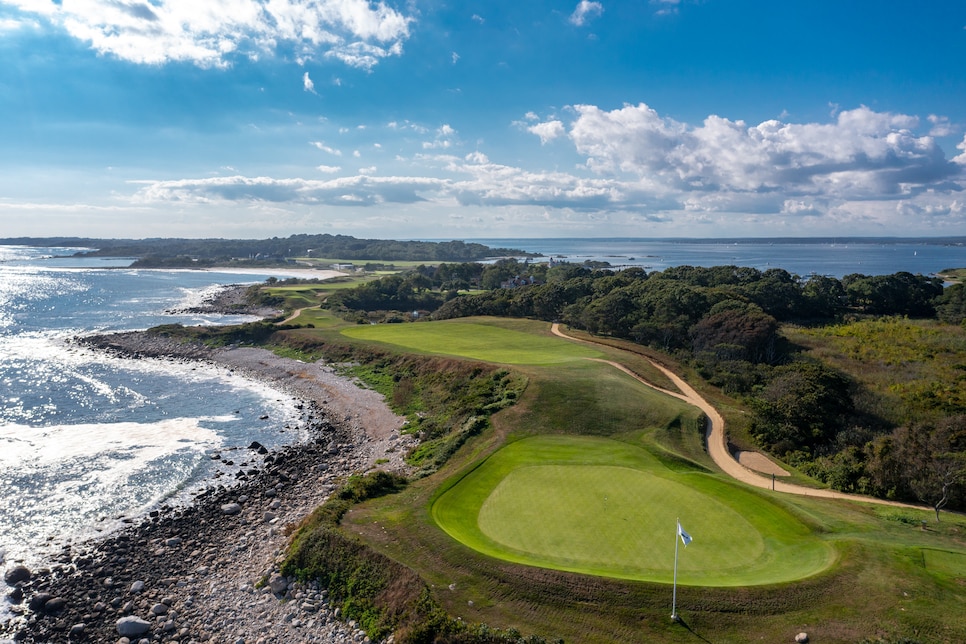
x: 560, y: 518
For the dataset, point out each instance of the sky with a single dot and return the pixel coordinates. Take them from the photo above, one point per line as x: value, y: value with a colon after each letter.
x: 435, y: 119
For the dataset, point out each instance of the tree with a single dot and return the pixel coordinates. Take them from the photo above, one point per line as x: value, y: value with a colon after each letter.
x: 934, y: 458
x: 732, y: 324
x: 951, y: 307
x: 801, y: 408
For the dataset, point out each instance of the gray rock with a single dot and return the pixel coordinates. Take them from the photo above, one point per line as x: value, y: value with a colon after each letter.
x: 159, y: 609
x: 137, y: 586
x: 801, y: 638
x: 38, y: 601
x: 132, y: 626
x: 16, y: 575
x: 55, y: 605
x: 231, y: 508
x: 173, y: 541
x: 78, y: 630
x: 278, y: 584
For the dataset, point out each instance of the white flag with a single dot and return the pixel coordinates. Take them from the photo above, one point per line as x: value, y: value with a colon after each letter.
x: 685, y: 537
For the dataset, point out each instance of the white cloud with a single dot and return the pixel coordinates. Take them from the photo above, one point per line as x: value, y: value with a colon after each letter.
x: 213, y: 32
x: 359, y: 190
x: 862, y: 155
x: 307, y: 83
x: 961, y: 158
x: 940, y: 126
x: 325, y: 148
x: 455, y: 57
x: 548, y: 131
x: 666, y: 7
x: 444, y: 138
x: 586, y: 9
x: 862, y: 171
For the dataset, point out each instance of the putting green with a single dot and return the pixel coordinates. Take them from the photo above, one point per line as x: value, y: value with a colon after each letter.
x: 604, y: 507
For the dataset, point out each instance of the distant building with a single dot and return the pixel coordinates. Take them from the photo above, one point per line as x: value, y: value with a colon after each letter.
x: 514, y: 282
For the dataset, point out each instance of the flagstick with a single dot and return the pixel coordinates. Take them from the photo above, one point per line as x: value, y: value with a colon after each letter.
x: 674, y: 593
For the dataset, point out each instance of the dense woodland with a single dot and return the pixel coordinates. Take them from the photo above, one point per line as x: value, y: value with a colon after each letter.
x: 730, y: 324
x: 207, y: 252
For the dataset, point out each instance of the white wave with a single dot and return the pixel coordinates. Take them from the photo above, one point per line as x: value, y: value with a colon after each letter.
x: 31, y: 448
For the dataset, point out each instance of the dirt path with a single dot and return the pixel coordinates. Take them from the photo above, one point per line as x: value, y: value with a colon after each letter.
x: 717, y: 441
x: 294, y: 315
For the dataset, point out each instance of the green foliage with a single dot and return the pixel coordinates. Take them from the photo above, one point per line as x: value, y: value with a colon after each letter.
x: 801, y: 407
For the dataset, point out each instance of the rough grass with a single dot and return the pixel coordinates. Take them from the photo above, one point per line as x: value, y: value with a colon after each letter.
x: 911, y: 367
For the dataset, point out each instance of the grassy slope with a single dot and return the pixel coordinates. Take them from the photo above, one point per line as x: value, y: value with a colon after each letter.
x: 893, y: 580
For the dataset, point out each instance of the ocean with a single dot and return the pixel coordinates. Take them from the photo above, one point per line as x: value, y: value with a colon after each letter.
x: 828, y: 256
x: 88, y: 440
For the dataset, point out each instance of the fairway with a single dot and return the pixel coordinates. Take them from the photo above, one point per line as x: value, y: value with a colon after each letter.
x: 480, y: 341
x: 608, y: 508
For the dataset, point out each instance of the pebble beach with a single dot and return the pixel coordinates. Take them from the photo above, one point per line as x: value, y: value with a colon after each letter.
x: 208, y: 571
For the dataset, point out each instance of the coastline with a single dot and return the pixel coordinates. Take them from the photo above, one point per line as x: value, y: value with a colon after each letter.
x: 208, y: 571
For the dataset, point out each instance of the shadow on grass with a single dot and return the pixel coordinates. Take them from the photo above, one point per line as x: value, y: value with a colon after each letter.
x: 680, y: 620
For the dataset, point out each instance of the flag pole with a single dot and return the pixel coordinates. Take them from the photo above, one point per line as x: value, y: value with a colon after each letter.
x: 674, y: 593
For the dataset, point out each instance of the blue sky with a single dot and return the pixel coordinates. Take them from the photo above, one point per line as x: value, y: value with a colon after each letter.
x: 461, y: 120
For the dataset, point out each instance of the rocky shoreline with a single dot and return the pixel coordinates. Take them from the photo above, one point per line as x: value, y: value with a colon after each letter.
x: 209, y: 571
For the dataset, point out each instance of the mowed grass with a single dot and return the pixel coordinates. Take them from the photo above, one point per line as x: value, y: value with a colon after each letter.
x: 517, y: 342
x: 608, y: 508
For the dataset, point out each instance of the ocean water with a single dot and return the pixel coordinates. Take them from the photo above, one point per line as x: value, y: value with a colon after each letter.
x: 87, y: 439
x: 830, y: 257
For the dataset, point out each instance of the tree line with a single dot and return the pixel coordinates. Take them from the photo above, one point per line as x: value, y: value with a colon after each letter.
x: 160, y: 252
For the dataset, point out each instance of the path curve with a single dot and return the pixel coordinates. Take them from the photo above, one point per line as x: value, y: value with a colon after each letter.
x: 716, y: 438
x: 294, y: 315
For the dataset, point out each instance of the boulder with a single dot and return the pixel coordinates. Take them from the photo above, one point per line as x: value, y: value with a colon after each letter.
x: 801, y: 638
x: 132, y: 626
x: 16, y: 575
x: 38, y: 601
x: 55, y: 606
x: 231, y: 508
x: 278, y: 584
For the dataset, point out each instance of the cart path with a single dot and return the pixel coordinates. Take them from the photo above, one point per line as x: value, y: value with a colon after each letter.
x: 717, y: 441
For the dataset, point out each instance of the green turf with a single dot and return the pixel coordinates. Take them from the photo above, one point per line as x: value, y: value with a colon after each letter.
x: 945, y: 562
x: 478, y: 340
x: 607, y: 508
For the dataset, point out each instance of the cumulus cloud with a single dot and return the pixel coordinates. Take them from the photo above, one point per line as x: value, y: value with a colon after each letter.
x: 213, y: 32
x: 307, y: 83
x: 879, y: 169
x: 547, y: 131
x: 863, y: 154
x: 586, y: 9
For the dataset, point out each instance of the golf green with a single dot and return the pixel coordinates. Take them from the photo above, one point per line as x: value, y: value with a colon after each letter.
x: 608, y: 508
